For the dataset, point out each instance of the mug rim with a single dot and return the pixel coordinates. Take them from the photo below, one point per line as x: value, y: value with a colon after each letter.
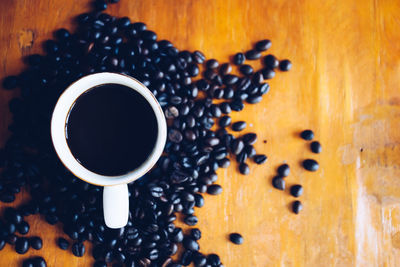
x: 60, y: 115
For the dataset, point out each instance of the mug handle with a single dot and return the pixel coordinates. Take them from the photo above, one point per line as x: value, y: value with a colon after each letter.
x: 116, y: 205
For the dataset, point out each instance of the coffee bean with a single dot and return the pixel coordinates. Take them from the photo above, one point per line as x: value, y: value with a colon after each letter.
x: 225, y: 108
x: 191, y: 220
x: 246, y: 69
x: 100, y: 5
x: 284, y: 170
x: 285, y: 65
x: 260, y: 159
x: 278, y: 183
x: 198, y: 57
x: 271, y: 62
x: 62, y: 243
x: 257, y: 78
x: 23, y: 228
x: 199, y: 260
x: 263, y: 45
x: 316, y: 147
x: 21, y: 245
x: 254, y: 99
x: 264, y: 88
x: 296, y: 190
x: 175, y: 136
x: 195, y: 233
x: 214, y: 189
x: 2, y: 244
x: 190, y: 244
x: 236, y: 238
x: 228, y: 93
x: 39, y: 262
x: 244, y: 169
x: 213, y: 260
x: 239, y: 126
x: 237, y: 146
x: 252, y: 55
x: 297, y: 206
x: 238, y: 59
x: 36, y: 242
x: 11, y: 239
x: 224, y: 163
x: 198, y: 200
x: 212, y: 64
x: 225, y: 121
x: 310, y: 165
x: 187, y: 257
x: 78, y: 249
x: 225, y: 69
x: 230, y: 79
x: 7, y: 197
x: 27, y: 263
x: 307, y: 135
x: 268, y: 73
x: 249, y: 138
x: 237, y: 105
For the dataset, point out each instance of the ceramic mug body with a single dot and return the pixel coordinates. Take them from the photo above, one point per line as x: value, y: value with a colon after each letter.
x: 115, y: 194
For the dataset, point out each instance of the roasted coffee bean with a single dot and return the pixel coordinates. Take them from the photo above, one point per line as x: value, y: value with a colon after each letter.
x: 175, y: 136
x: 198, y: 200
x: 36, y: 242
x: 228, y: 93
x: 296, y: 190
x: 297, y: 206
x: 225, y: 108
x: 236, y: 238
x: 264, y: 88
x: 225, y: 121
x: 237, y: 146
x: 237, y: 105
x: 285, y: 65
x: 268, y: 73
x: 100, y: 5
x: 252, y: 54
x: 191, y: 220
x: 225, y: 69
x: 260, y: 159
x: 224, y: 163
x: 213, y: 260
x: 241, y: 157
x: 239, y: 126
x: 278, y: 183
x: 39, y: 262
x: 315, y: 147
x: 307, y: 135
x: 212, y: 64
x: 249, y: 138
x: 246, y: 69
x: 250, y: 151
x: 22, y: 245
x: 62, y: 243
x: 2, y: 244
x: 12, y: 215
x: 230, y: 79
x: 199, y: 260
x: 310, y: 165
x: 271, y: 62
x: 254, y: 99
x: 198, y: 57
x: 195, y: 233
x: 244, y: 169
x: 190, y: 244
x: 23, y: 228
x: 7, y: 197
x: 214, y: 189
x: 238, y: 59
x: 78, y: 249
x: 27, y: 263
x: 257, y: 78
x: 186, y: 258
x: 284, y: 170
x: 263, y: 45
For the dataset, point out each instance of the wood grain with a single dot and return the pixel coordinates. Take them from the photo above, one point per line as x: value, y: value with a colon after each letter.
x: 344, y: 85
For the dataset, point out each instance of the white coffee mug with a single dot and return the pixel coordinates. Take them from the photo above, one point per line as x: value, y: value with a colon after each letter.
x: 115, y: 192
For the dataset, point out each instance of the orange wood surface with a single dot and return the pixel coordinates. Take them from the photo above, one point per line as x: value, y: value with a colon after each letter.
x: 344, y: 85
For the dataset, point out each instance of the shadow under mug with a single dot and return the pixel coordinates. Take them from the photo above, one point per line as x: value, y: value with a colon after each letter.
x: 115, y: 192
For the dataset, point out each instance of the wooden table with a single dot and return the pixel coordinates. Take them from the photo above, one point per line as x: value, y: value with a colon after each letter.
x: 344, y: 85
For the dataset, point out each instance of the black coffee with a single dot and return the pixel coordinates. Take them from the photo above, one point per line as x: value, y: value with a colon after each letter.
x: 111, y: 129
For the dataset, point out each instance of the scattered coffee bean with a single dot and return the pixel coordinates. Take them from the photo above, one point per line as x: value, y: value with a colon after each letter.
x: 263, y: 45
x: 225, y: 69
x: 268, y: 73
x: 195, y: 233
x: 23, y: 228
x: 285, y: 65
x: 238, y: 59
x: 21, y: 245
x: 252, y: 55
x: 27, y: 263
x: 244, y: 169
x: 260, y: 159
x: 284, y: 170
x: 36, y: 242
x: 236, y: 238
x: 62, y: 243
x: 214, y: 189
x: 78, y: 249
x: 296, y: 190
x: 212, y: 64
x: 237, y: 146
x: 316, y: 147
x: 310, y: 165
x: 278, y: 183
x: 297, y: 206
x: 190, y: 244
x: 2, y: 244
x: 199, y: 260
x: 191, y: 220
x: 307, y: 135
x: 225, y: 121
x: 271, y: 62
x: 246, y: 69
x: 239, y: 126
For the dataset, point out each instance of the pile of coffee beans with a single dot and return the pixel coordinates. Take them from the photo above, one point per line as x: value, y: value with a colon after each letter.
x: 193, y: 151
